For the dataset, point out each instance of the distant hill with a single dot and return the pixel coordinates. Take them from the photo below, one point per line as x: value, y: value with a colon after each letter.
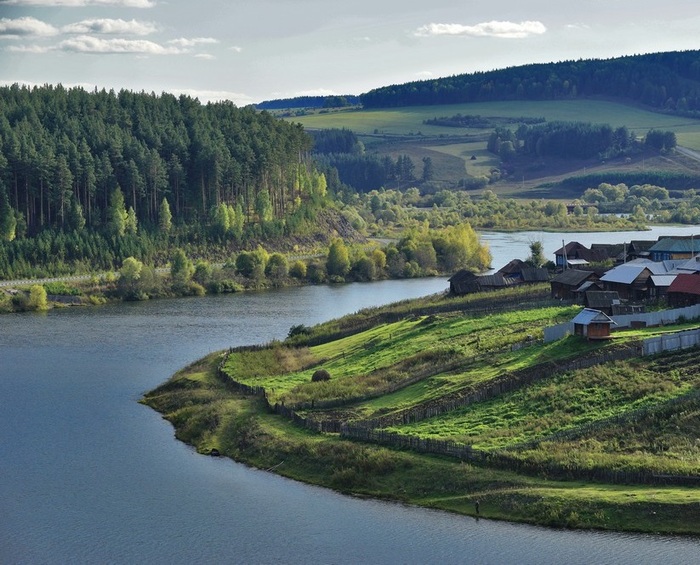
x: 667, y: 81
x: 309, y: 102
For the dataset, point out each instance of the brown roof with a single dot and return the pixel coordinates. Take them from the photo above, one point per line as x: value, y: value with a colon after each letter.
x: 573, y: 277
x: 601, y: 298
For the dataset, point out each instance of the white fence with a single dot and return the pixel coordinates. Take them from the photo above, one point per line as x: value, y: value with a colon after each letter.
x: 660, y: 318
x: 671, y: 342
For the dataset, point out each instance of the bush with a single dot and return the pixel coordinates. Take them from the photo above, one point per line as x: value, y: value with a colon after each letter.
x: 320, y: 375
x: 299, y: 329
x: 298, y: 269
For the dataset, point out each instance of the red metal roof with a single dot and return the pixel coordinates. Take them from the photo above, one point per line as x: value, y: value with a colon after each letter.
x: 686, y: 284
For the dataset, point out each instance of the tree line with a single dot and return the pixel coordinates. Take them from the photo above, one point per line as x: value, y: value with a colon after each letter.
x: 65, y: 152
x: 574, y: 140
x: 669, y: 81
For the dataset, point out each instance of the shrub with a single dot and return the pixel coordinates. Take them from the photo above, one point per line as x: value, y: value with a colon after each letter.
x: 298, y: 269
x: 320, y: 375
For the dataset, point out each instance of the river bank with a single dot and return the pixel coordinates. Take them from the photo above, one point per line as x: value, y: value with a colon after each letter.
x: 205, y: 412
x: 219, y: 406
x: 70, y: 381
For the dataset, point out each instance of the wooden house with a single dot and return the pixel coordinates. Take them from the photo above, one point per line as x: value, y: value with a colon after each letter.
x: 603, y: 301
x: 463, y: 282
x: 575, y: 254
x: 522, y: 272
x: 592, y: 324
x: 566, y: 284
x: 639, y: 249
x: 674, y: 248
x: 684, y: 290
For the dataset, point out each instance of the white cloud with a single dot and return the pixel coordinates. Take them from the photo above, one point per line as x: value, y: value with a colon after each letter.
x: 236, y: 48
x: 89, y: 44
x: 191, y: 42
x: 424, y: 74
x: 506, y: 30
x: 578, y: 26
x: 207, y: 56
x: 28, y: 49
x: 25, y: 27
x: 111, y: 26
x: 81, y: 3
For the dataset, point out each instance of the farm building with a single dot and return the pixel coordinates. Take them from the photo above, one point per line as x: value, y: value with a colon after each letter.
x: 592, y: 324
x: 566, y: 284
x: 524, y: 273
x: 684, y: 290
x: 463, y: 282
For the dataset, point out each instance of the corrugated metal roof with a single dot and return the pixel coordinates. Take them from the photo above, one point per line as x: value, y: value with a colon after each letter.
x: 677, y: 245
x: 589, y: 315
x: 624, y: 274
x: 662, y: 280
x: 690, y: 265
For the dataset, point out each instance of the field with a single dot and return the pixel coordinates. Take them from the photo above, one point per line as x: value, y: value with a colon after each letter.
x: 409, y: 120
x: 560, y: 445
x: 403, y: 131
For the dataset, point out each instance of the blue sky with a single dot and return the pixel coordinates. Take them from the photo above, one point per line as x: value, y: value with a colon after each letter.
x: 249, y: 51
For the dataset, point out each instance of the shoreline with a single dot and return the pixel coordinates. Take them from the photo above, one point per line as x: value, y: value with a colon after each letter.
x: 208, y: 415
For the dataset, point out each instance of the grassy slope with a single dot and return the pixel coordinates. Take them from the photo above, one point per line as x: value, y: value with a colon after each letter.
x: 208, y: 415
x: 402, y: 131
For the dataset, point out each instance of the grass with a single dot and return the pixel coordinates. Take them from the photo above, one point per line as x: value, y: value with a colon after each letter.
x: 562, y: 402
x: 208, y: 415
x: 402, y: 131
x: 409, y: 120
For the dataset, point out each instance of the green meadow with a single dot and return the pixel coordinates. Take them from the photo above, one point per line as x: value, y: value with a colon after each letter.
x: 640, y: 415
x: 409, y: 121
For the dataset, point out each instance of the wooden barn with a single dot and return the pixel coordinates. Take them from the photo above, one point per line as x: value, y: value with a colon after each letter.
x: 463, y: 282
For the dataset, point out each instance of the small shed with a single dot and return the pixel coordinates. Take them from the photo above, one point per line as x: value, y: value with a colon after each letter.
x: 593, y: 324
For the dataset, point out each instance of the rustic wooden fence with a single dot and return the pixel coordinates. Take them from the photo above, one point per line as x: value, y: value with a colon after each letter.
x: 372, y: 430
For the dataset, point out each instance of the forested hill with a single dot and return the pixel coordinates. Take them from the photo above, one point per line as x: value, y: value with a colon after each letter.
x: 669, y: 81
x: 64, y: 152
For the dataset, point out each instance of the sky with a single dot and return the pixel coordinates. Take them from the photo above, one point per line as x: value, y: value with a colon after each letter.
x: 249, y: 51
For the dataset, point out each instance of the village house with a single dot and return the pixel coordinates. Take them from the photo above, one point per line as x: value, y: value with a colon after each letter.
x: 463, y: 282
x: 602, y: 300
x: 639, y: 249
x: 632, y: 281
x: 523, y: 272
x: 565, y: 285
x: 674, y: 248
x: 575, y: 254
x: 684, y: 290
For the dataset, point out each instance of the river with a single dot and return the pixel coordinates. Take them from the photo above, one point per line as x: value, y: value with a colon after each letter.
x: 88, y: 475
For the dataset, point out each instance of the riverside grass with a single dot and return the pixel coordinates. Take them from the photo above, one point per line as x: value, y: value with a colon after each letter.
x: 208, y: 414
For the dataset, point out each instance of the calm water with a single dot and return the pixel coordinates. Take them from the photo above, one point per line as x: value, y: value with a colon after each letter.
x: 88, y: 475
